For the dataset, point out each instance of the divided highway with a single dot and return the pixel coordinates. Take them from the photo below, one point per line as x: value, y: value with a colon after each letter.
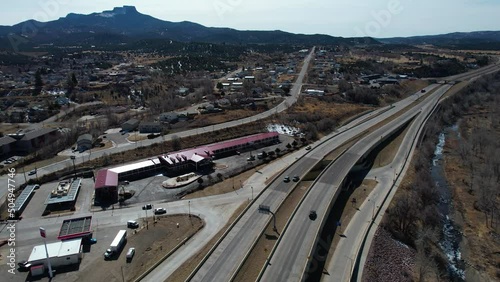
x: 290, y: 258
x: 226, y: 258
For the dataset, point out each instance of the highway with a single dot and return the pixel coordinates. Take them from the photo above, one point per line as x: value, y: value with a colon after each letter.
x: 341, y: 262
x: 289, y: 260
x: 224, y: 261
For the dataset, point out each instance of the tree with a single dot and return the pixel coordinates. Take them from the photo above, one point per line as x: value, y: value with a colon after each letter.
x: 220, y: 86
x: 70, y: 83
x: 38, y: 83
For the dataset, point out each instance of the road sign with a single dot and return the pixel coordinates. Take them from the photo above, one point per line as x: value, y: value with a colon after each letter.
x: 264, y: 209
x: 42, y: 232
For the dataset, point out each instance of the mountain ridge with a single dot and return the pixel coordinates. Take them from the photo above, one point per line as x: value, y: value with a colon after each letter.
x: 127, y: 21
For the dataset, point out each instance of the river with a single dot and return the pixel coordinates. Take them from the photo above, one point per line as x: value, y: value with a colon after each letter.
x: 450, y: 235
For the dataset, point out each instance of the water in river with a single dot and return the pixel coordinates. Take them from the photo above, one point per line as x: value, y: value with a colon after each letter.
x: 451, y: 237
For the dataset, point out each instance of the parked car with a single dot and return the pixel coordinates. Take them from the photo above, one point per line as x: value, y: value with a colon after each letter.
x: 147, y: 207
x: 252, y: 158
x: 296, y: 178
x: 132, y: 224
x: 308, y: 148
x: 130, y: 254
x: 24, y: 265
x: 160, y: 211
x: 286, y: 179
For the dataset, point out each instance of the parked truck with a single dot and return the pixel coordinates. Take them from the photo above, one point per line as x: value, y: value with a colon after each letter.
x: 116, y: 245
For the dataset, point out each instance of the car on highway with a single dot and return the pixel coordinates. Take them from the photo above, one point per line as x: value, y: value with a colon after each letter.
x: 286, y: 179
x: 36, y: 186
x: 32, y: 172
x: 422, y: 91
x: 251, y: 158
x: 160, y: 211
x: 147, y: 207
x: 296, y: 178
x: 308, y: 148
x: 313, y: 215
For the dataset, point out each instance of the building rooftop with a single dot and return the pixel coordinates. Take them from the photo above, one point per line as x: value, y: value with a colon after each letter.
x: 57, y: 249
x: 6, y: 140
x: 64, y: 194
x: 106, y: 178
x: 75, y: 227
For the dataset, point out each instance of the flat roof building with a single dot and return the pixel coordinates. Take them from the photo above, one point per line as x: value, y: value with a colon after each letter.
x: 60, y: 253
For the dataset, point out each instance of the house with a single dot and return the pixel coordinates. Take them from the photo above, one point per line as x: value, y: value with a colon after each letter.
x: 170, y: 117
x: 150, y: 127
x: 84, y: 142
x: 236, y: 85
x: 130, y: 125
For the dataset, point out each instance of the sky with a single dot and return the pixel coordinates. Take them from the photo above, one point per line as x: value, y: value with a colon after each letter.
x: 347, y: 18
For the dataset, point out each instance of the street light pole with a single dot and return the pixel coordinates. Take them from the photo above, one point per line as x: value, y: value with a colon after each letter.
x: 189, y: 208
x: 252, y: 192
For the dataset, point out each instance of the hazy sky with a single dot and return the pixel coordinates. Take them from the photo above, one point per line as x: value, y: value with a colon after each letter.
x: 377, y: 18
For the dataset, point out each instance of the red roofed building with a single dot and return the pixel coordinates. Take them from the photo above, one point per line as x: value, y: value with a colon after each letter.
x: 106, y: 186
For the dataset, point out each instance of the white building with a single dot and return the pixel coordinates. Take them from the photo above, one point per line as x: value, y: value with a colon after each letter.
x: 60, y: 253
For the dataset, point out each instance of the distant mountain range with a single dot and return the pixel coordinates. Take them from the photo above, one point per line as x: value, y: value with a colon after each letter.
x: 126, y: 24
x: 456, y: 39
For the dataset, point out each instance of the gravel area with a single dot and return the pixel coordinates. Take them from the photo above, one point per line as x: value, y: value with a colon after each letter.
x: 389, y: 260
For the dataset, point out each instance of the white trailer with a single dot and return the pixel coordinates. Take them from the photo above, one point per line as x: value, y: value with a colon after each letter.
x: 117, y: 244
x: 62, y: 253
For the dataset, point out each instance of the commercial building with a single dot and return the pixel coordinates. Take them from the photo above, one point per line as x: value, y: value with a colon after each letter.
x: 61, y: 253
x: 176, y: 163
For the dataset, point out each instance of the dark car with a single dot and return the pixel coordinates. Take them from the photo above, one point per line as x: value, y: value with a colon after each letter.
x: 24, y: 265
x: 286, y: 179
x: 147, y: 207
x: 313, y: 215
x: 422, y: 91
x: 160, y: 211
x: 296, y: 178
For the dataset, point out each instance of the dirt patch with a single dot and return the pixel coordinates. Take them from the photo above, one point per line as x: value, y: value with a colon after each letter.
x: 151, y: 244
x: 388, y: 153
x: 226, y: 186
x: 183, y: 272
x: 136, y: 137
